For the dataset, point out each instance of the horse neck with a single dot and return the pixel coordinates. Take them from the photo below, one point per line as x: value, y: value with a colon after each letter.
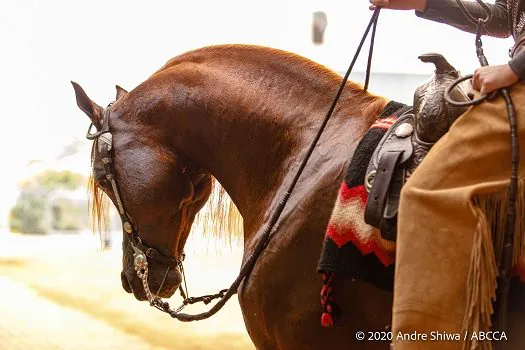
x: 250, y: 131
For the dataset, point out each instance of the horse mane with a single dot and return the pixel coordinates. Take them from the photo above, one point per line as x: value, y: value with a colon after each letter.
x: 302, y: 65
x: 220, y: 218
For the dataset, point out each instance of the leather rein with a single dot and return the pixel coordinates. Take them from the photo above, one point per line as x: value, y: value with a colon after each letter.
x: 104, y: 145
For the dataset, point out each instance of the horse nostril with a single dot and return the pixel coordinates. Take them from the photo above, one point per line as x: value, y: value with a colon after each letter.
x: 125, y: 283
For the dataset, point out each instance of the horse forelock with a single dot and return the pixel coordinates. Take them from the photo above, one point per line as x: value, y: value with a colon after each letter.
x: 97, y: 201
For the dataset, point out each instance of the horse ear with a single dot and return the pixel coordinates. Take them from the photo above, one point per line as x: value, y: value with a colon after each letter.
x: 120, y: 92
x: 92, y: 110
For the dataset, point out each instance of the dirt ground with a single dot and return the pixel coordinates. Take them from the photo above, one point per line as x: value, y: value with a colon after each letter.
x: 64, y: 274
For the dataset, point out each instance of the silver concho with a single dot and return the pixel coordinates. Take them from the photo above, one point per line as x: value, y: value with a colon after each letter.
x: 404, y: 130
x: 141, y: 264
x: 127, y: 227
x: 140, y: 261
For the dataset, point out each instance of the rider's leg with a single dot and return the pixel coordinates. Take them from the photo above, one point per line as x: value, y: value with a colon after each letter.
x: 439, y: 223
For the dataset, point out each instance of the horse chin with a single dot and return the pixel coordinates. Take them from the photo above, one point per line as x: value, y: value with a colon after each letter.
x: 171, y: 284
x: 132, y: 284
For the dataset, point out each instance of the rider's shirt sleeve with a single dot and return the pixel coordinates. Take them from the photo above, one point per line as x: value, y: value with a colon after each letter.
x: 517, y: 64
x: 449, y: 12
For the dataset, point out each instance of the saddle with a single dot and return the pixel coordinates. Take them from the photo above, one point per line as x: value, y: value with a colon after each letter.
x: 408, y: 140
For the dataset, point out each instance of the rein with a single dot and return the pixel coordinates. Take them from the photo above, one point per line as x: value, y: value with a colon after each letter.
x: 505, y: 263
x: 142, y: 252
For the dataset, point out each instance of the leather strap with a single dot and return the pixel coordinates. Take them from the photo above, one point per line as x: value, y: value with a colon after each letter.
x: 154, y: 254
x: 389, y: 222
x: 378, y: 194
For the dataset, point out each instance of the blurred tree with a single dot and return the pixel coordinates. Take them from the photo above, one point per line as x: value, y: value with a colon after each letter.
x: 29, y: 213
x: 36, y: 211
x: 52, y: 180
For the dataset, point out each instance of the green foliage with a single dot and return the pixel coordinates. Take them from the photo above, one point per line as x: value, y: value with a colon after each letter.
x: 28, y: 214
x: 52, y: 180
x: 34, y: 212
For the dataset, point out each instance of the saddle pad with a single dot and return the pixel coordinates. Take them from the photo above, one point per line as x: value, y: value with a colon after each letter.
x: 351, y: 246
x: 356, y: 250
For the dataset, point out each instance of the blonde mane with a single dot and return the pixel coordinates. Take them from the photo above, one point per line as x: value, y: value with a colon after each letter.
x: 220, y: 218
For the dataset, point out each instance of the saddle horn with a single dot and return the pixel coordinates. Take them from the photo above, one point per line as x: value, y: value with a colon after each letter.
x: 433, y: 115
x: 442, y: 65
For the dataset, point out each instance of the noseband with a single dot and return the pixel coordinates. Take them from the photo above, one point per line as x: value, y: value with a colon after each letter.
x: 141, y: 252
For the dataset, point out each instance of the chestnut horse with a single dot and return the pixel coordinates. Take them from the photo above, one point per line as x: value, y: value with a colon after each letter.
x: 245, y: 116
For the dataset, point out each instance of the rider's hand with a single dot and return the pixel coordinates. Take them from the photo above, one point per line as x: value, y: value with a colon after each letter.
x: 489, y: 78
x: 419, y: 5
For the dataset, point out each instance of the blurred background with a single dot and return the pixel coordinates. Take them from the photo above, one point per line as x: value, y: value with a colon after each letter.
x: 59, y: 283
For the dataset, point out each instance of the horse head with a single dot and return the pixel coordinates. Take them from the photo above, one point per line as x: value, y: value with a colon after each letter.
x: 157, y: 190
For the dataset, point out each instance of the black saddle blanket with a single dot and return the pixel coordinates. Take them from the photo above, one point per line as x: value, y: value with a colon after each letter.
x: 351, y: 246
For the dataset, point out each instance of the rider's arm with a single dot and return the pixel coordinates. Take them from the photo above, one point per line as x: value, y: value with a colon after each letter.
x: 449, y: 12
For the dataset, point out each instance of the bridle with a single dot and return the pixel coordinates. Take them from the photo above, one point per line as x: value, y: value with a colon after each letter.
x: 141, y: 252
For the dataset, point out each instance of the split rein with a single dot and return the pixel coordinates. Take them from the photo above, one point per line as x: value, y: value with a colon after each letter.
x: 142, y: 252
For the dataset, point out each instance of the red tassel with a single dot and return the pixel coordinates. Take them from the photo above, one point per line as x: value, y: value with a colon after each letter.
x: 326, y: 300
x: 327, y: 320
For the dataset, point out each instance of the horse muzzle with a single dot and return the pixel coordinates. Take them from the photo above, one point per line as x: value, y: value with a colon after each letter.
x: 160, y: 283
